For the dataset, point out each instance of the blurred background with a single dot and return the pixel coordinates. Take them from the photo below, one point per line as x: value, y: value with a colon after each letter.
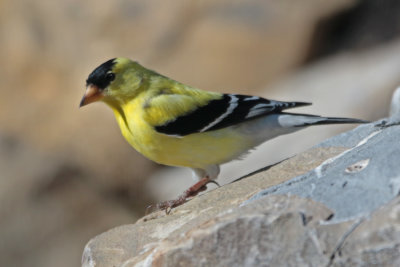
x: 66, y: 174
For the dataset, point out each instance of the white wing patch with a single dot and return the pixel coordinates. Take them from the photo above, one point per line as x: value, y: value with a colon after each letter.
x: 233, y: 103
x: 250, y: 98
x: 257, y: 110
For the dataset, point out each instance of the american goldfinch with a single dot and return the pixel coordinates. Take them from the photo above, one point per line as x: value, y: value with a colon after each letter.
x: 175, y: 124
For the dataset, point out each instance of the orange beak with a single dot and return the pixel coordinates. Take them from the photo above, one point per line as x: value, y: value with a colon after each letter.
x: 92, y: 94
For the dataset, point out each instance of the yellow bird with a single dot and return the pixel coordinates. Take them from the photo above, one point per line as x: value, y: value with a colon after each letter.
x: 175, y: 124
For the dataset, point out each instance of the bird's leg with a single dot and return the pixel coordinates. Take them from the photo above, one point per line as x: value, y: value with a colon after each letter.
x: 190, y: 192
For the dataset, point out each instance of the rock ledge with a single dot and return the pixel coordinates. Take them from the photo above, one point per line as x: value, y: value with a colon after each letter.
x: 336, y: 204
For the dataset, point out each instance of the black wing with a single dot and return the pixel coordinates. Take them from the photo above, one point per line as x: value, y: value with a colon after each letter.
x: 231, y: 109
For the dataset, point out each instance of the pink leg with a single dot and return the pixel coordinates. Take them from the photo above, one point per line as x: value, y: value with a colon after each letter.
x: 190, y: 192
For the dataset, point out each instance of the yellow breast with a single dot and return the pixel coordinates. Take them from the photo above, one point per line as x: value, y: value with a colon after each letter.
x: 195, y: 150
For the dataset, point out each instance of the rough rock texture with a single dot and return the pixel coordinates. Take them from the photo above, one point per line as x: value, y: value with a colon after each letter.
x: 364, y: 172
x: 334, y: 205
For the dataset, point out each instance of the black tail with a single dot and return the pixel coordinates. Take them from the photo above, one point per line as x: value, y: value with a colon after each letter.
x: 336, y: 120
x: 287, y: 105
x: 302, y: 120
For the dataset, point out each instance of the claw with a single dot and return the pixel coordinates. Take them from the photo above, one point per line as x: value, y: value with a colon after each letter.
x: 192, y: 191
x: 213, y: 182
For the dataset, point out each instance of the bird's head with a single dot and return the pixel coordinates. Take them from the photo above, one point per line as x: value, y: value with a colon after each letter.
x: 116, y: 81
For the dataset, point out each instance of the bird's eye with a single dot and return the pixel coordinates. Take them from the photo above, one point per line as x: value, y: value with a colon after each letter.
x: 110, y: 76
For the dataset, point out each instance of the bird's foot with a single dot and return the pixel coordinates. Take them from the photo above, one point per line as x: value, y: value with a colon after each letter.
x: 192, y: 191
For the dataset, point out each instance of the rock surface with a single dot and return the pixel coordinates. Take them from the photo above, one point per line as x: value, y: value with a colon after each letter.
x: 334, y: 205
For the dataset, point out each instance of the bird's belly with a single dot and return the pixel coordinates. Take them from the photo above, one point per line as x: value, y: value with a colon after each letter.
x: 195, y: 150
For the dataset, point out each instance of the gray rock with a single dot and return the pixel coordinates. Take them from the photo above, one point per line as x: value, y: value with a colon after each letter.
x: 375, y: 242
x: 340, y: 209
x: 223, y: 240
x: 357, y: 181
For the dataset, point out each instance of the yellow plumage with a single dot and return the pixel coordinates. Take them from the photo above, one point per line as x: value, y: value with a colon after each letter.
x: 178, y: 125
x: 159, y: 101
